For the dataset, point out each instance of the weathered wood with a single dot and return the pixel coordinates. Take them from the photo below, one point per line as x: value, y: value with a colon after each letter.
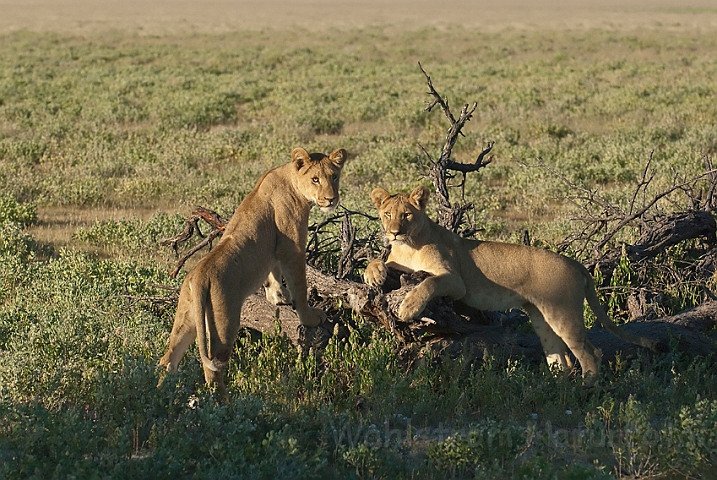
x: 451, y: 330
x: 216, y: 221
x: 663, y: 233
x: 452, y: 215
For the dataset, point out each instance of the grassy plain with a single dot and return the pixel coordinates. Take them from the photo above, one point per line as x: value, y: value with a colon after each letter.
x: 136, y: 130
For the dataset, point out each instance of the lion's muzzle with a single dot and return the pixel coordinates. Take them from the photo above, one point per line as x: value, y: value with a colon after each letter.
x: 328, y: 204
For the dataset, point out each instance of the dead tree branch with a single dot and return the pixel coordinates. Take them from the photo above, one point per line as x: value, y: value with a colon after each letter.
x: 337, y: 243
x: 216, y: 221
x: 602, y: 219
x: 656, y: 229
x: 348, y: 240
x: 452, y: 216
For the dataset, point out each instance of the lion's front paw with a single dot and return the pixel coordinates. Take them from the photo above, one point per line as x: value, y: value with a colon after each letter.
x: 376, y: 273
x: 313, y: 318
x: 411, y: 306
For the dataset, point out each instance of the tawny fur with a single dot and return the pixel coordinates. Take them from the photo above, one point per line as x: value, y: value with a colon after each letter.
x: 491, y: 276
x: 264, y: 241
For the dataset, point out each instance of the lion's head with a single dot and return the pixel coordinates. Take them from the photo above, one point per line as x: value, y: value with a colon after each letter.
x: 318, y: 176
x: 401, y: 214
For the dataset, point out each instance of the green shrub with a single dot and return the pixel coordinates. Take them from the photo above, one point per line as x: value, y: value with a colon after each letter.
x: 131, y: 238
x: 486, y: 446
x: 11, y: 211
x: 689, y: 439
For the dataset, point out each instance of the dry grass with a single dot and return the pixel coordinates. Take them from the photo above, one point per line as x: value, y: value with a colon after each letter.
x: 181, y: 16
x: 158, y: 18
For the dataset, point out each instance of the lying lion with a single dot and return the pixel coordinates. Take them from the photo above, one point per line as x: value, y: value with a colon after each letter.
x: 265, y: 240
x: 492, y: 276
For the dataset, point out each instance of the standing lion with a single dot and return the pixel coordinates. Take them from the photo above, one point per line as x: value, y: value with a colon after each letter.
x: 264, y: 241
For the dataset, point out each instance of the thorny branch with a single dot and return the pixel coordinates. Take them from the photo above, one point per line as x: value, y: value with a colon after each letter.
x: 613, y: 218
x: 602, y: 220
x: 353, y: 247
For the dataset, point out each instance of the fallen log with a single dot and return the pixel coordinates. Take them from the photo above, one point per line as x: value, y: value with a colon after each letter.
x: 449, y: 328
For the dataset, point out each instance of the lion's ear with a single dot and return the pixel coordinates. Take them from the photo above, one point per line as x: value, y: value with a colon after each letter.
x: 338, y: 157
x: 299, y: 156
x: 378, y: 196
x: 419, y: 197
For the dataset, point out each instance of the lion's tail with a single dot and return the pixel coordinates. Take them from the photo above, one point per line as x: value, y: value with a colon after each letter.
x: 607, y: 322
x: 204, y: 318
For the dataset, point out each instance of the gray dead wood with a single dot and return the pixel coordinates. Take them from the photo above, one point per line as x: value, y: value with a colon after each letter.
x: 450, y: 328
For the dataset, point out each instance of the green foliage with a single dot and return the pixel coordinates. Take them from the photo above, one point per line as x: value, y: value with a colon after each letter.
x: 78, y: 395
x: 17, y: 248
x: 15, y: 244
x: 689, y: 439
x: 11, y: 211
x: 486, y: 446
x: 620, y: 287
x: 133, y: 237
x: 120, y: 121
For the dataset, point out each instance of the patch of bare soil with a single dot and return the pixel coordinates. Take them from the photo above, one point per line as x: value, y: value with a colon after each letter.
x: 56, y: 225
x: 316, y: 16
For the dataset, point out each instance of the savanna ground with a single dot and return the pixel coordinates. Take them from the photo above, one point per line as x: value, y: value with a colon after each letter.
x: 115, y: 121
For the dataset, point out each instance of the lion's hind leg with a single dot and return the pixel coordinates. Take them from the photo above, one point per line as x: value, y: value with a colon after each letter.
x: 588, y: 356
x: 556, y: 352
x: 568, y: 325
x: 216, y: 377
x: 183, y: 334
x: 222, y: 333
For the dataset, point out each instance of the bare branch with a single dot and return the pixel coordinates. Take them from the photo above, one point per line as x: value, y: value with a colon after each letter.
x: 640, y: 212
x: 452, y: 216
x: 437, y: 99
x: 643, y: 183
x: 216, y: 221
x: 205, y: 242
x: 348, y: 239
x: 709, y: 203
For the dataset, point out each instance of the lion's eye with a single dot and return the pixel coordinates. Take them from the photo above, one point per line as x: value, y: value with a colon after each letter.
x: 334, y: 177
x: 387, y: 214
x: 315, y: 180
